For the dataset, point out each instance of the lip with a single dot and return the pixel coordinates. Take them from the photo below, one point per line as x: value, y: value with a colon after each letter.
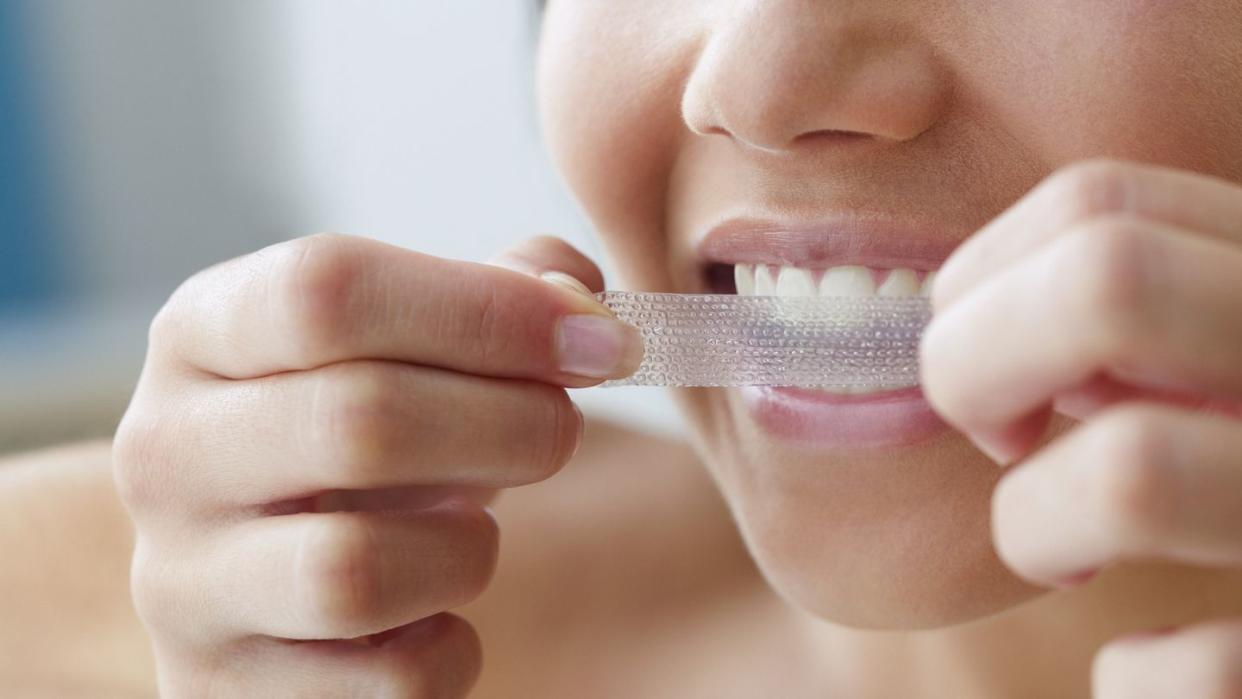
x: 844, y: 238
x: 825, y: 420
x: 853, y: 237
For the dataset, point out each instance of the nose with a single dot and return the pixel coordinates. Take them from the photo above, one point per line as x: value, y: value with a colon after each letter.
x: 774, y: 74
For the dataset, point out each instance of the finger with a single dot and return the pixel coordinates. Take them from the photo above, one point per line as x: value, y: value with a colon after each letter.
x: 1102, y: 392
x: 324, y: 299
x: 1204, y: 660
x: 411, y: 497
x: 1074, y: 196
x: 1141, y: 304
x: 1137, y: 482
x: 546, y: 257
x: 359, y: 425
x: 438, y: 657
x: 345, y: 574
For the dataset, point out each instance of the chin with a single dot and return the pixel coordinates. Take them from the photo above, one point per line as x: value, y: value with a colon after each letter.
x: 877, y: 536
x: 917, y: 572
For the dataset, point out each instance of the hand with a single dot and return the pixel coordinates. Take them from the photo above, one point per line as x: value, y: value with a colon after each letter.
x: 310, y: 448
x: 1112, y: 294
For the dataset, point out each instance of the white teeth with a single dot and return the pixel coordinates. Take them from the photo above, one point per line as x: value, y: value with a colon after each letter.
x: 860, y: 389
x: 744, y: 277
x: 900, y: 282
x: 845, y: 280
x: 765, y: 284
x: 927, y: 284
x: 795, y: 282
x: 849, y: 280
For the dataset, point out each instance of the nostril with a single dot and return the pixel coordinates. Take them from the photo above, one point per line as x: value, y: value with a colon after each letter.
x: 834, y: 136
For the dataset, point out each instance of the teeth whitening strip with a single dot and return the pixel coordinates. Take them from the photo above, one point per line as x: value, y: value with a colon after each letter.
x: 812, y: 342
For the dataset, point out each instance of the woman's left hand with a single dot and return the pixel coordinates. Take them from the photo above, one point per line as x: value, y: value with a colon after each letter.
x: 1112, y: 293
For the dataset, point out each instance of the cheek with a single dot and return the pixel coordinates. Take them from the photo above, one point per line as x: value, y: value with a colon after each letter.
x: 610, y: 108
x: 1148, y: 80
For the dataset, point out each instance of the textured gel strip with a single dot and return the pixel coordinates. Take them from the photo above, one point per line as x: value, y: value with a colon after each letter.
x: 724, y: 340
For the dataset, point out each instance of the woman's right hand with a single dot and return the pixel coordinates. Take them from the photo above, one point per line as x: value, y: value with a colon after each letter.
x: 315, y: 435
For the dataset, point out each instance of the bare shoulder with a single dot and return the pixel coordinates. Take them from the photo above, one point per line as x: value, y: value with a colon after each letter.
x: 66, y: 542
x: 605, y: 563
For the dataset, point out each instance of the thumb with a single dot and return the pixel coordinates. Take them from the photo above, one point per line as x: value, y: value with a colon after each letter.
x: 555, y: 261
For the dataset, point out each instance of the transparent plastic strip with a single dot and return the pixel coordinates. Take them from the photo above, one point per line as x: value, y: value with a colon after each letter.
x: 722, y: 340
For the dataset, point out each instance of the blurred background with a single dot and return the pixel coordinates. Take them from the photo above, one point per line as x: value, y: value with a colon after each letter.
x: 142, y: 140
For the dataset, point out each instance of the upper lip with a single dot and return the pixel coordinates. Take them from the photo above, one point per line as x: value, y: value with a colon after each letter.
x: 845, y: 238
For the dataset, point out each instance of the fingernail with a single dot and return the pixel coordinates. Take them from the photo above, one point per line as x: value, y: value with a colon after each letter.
x: 567, y: 281
x: 597, y: 347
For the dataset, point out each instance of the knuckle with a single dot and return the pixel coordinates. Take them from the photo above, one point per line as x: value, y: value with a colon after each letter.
x: 491, y: 319
x: 339, y: 576
x: 165, y: 326
x: 1106, y: 265
x: 144, y: 584
x: 168, y: 324
x: 313, y: 292
x: 1133, y: 482
x: 1094, y: 187
x: 138, y: 453
x: 360, y: 422
x: 154, y: 595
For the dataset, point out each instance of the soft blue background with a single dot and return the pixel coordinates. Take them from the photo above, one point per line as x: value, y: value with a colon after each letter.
x: 29, y: 277
x: 144, y: 140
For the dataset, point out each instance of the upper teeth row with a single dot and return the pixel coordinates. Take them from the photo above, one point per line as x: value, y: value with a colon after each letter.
x: 845, y: 280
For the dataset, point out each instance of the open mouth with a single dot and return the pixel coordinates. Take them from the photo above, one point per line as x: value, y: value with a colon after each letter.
x: 843, y: 280
x: 857, y: 281
x: 848, y: 257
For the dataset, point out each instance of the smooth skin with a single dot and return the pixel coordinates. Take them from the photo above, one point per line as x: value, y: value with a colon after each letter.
x: 344, y: 416
x: 320, y: 425
x: 1106, y: 295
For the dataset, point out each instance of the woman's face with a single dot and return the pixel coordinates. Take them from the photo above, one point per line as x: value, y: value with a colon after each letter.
x: 832, y: 135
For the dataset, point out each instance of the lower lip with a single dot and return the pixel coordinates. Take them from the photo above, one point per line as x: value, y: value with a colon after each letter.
x: 827, y: 420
